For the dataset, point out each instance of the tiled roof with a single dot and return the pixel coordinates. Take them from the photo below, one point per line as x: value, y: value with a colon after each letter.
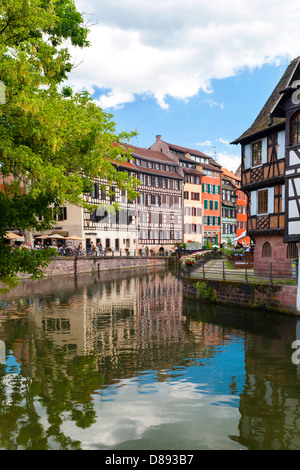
x: 230, y: 174
x: 154, y: 156
x: 149, y: 154
x: 186, y: 150
x: 208, y: 166
x: 263, y: 120
x: 192, y: 171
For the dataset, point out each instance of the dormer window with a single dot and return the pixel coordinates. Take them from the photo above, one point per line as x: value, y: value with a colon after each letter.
x: 257, y: 153
x: 295, y: 129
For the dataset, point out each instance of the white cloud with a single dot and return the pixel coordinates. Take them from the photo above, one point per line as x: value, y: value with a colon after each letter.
x: 231, y: 162
x: 223, y: 141
x: 166, y: 48
x: 206, y: 143
x: 115, y: 99
x: 213, y: 103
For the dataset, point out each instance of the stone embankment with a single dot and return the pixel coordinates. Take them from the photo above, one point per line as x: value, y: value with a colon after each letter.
x: 272, y: 297
x: 60, y: 266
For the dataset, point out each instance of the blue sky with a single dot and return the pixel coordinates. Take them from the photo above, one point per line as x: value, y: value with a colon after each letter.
x: 206, y: 122
x: 197, y: 73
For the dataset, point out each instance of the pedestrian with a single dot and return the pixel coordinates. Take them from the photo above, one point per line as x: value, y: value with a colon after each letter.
x: 100, y: 248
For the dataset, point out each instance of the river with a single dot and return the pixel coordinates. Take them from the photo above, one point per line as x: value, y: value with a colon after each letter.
x: 122, y: 361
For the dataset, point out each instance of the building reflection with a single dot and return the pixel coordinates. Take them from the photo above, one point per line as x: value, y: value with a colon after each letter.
x: 269, y: 404
x: 129, y: 324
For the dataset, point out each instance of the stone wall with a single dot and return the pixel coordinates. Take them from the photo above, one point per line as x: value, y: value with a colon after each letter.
x: 60, y: 266
x: 272, y: 297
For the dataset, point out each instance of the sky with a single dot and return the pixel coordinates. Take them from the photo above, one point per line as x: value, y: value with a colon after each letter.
x: 195, y: 72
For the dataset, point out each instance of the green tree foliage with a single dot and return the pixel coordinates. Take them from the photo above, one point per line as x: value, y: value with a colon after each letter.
x: 53, y: 141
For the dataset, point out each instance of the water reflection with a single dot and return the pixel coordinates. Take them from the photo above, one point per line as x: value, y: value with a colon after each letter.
x: 122, y: 361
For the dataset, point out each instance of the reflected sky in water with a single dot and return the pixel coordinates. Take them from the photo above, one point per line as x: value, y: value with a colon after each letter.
x: 124, y: 361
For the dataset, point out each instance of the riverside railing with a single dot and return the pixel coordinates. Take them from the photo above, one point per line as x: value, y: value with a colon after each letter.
x: 262, y: 272
x: 115, y: 253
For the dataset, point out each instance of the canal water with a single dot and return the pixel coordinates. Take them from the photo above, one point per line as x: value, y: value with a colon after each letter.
x: 122, y: 361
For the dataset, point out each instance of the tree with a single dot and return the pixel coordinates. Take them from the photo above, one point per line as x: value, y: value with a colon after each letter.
x: 53, y: 142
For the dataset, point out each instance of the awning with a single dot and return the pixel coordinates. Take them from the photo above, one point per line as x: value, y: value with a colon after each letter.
x: 74, y: 237
x: 243, y: 235
x: 12, y: 236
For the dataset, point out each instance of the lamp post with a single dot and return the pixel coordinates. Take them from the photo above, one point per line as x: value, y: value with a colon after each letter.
x: 234, y: 198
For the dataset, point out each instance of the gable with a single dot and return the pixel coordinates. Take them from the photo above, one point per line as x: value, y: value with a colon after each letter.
x: 268, y: 119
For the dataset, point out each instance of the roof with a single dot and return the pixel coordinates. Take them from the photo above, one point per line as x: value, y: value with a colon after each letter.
x: 263, y: 121
x: 208, y: 166
x: 185, y: 150
x: 231, y: 175
x: 154, y: 156
x: 192, y: 171
x: 149, y: 154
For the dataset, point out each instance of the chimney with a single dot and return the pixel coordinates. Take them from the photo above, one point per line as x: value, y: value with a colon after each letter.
x: 158, y: 137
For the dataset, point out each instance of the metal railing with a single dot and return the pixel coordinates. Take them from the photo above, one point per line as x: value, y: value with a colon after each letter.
x: 109, y: 252
x: 262, y: 272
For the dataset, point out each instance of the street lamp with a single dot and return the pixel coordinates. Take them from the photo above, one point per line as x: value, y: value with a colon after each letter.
x: 234, y: 198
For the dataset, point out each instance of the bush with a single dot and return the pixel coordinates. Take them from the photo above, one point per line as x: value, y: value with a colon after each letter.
x: 205, y: 292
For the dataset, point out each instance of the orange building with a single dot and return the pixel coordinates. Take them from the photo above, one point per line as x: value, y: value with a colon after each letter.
x: 211, y: 200
x: 241, y: 207
x: 242, y: 218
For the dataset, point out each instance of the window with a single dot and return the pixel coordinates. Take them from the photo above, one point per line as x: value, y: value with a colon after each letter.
x: 205, y: 204
x: 62, y: 213
x: 266, y: 250
x: 256, y: 153
x: 295, y: 129
x: 186, y: 195
x: 262, y: 202
x: 292, y: 250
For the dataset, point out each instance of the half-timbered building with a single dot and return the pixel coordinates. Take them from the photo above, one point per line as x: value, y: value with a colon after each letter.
x: 229, y: 211
x: 264, y: 169
x: 287, y: 108
x: 191, y: 162
x: 159, y: 207
x: 114, y: 228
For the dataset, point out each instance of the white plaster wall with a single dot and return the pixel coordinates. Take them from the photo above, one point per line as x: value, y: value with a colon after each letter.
x: 281, y: 145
